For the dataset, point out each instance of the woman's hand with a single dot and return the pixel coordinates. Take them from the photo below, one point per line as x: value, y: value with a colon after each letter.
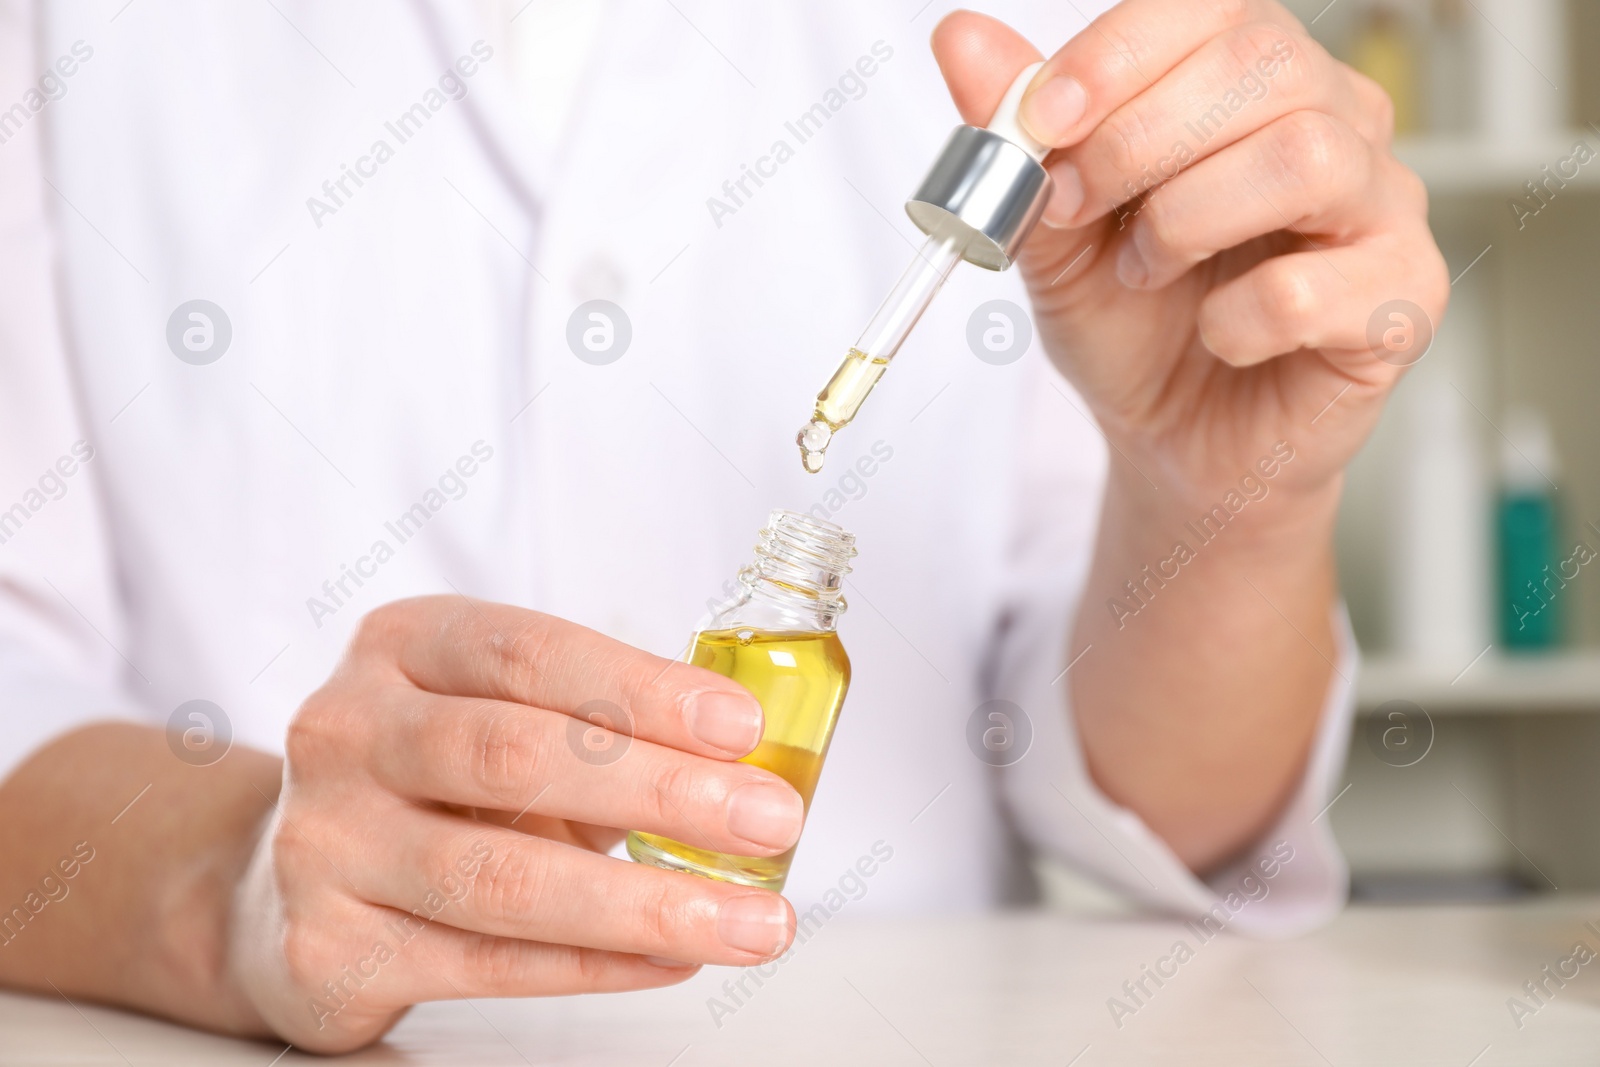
x: 445, y: 812
x: 1227, y: 221
x: 1233, y: 271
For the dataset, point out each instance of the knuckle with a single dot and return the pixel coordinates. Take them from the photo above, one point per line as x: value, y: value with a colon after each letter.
x: 326, y: 731
x: 1259, y: 47
x: 308, y: 954
x: 1251, y: 42
x: 593, y: 970
x: 1308, y: 151
x: 496, y: 963
x: 1118, y: 50
x: 629, y: 675
x: 514, y: 886
x: 661, y: 913
x: 286, y: 848
x: 535, y: 640
x: 676, y: 698
x: 296, y: 863
x: 1158, y: 230
x: 380, y: 628
x: 669, y: 792
x: 1383, y: 119
x: 1233, y: 12
x: 1413, y: 191
x: 1436, y: 284
x: 1291, y: 296
x: 1128, y: 141
x: 506, y: 752
x: 1375, y: 108
x: 306, y: 736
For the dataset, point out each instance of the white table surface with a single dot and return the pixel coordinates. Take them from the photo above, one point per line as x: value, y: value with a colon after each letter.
x: 1411, y: 986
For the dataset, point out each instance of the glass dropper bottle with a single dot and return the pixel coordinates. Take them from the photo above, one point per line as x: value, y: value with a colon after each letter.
x: 779, y: 639
x: 979, y: 202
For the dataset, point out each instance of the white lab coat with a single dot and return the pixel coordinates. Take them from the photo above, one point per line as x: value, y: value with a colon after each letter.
x: 378, y: 338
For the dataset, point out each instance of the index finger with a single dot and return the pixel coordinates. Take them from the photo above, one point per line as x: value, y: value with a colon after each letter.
x: 1115, y: 58
x: 458, y: 647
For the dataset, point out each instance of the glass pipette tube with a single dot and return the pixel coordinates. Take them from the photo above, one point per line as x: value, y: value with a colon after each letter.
x: 866, y: 361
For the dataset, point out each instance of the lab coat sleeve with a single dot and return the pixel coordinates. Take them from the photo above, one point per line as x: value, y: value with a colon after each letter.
x: 1294, y: 877
x: 60, y: 624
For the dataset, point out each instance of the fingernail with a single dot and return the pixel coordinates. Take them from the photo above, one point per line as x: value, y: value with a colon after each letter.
x: 766, y: 813
x: 757, y: 923
x: 1068, y: 195
x: 1054, y: 108
x: 1132, y: 270
x: 727, y: 721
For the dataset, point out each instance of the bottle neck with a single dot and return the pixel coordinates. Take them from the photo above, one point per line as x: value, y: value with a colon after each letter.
x: 796, y: 580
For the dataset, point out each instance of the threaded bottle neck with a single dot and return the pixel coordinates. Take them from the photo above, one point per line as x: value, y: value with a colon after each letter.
x: 799, y: 568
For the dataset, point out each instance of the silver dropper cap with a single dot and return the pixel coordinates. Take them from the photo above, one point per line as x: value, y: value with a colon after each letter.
x: 987, y: 188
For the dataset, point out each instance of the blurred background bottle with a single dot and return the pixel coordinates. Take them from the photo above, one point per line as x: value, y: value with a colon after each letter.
x: 1451, y: 77
x: 1531, y: 601
x: 1522, y: 68
x: 1385, y: 50
x: 1440, y: 574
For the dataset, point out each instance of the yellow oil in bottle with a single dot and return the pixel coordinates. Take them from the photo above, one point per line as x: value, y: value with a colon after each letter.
x: 838, y: 403
x: 800, y: 680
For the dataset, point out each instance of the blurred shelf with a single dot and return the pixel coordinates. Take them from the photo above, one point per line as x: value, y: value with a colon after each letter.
x: 1496, y: 684
x: 1478, y: 166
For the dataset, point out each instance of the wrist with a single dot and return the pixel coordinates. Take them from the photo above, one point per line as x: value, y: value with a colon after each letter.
x: 231, y: 964
x: 196, y: 932
x: 1269, y: 508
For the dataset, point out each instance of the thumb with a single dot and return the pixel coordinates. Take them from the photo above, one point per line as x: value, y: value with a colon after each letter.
x: 979, y: 57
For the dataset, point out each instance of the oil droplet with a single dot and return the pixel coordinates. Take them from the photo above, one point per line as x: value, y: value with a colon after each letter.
x: 813, y: 440
x: 745, y: 636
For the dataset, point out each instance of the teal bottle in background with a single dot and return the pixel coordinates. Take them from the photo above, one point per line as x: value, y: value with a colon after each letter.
x: 1531, y: 591
x: 1531, y: 600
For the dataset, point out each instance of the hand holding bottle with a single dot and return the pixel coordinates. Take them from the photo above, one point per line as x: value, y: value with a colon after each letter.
x: 445, y: 813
